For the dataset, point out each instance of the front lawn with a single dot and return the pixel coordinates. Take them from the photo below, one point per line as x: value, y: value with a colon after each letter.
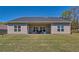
x: 40, y: 43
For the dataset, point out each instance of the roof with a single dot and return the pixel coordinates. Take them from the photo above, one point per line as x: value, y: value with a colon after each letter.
x: 39, y: 19
x: 3, y: 27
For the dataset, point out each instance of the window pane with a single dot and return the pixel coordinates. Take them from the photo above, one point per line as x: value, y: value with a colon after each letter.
x: 62, y: 30
x: 19, y: 30
x: 58, y: 30
x: 62, y: 27
x: 15, y: 30
x: 58, y: 27
x: 41, y: 28
x: 35, y: 29
x: 19, y: 26
x: 15, y: 26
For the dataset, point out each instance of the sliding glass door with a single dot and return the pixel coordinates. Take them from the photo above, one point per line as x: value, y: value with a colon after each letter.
x: 39, y: 30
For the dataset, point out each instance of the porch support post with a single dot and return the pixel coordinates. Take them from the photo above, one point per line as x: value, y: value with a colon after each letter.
x: 51, y: 28
x: 27, y: 29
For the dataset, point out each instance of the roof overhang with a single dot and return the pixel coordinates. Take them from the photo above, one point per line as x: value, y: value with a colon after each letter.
x: 39, y: 22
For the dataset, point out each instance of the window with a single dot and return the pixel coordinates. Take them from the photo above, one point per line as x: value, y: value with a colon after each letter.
x: 17, y: 28
x: 60, y: 28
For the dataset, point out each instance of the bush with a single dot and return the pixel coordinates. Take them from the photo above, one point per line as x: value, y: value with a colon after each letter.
x: 2, y: 32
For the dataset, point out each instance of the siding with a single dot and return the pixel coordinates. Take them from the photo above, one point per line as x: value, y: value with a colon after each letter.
x: 67, y: 29
x: 25, y: 30
x: 10, y: 28
x: 3, y: 27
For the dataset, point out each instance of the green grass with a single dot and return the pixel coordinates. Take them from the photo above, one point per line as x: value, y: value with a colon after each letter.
x: 40, y: 43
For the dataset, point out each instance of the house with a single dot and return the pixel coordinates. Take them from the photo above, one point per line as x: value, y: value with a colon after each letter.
x: 3, y: 29
x: 39, y: 25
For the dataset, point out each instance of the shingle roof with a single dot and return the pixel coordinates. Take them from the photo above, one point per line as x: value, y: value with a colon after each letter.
x: 37, y: 19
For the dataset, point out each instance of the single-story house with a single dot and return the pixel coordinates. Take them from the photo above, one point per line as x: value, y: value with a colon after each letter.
x: 3, y: 29
x: 39, y: 25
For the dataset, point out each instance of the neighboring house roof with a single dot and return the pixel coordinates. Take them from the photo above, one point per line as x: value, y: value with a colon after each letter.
x: 40, y: 19
x: 3, y: 27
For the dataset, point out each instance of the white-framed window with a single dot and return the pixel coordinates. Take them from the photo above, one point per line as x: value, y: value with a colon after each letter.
x: 60, y: 28
x: 17, y: 28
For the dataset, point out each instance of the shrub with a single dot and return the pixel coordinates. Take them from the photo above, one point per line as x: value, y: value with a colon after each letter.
x: 2, y: 32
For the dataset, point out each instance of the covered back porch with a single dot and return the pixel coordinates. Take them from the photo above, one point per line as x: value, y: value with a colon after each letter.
x: 39, y: 28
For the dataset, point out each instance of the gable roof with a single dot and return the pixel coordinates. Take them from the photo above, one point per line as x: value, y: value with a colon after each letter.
x: 40, y: 19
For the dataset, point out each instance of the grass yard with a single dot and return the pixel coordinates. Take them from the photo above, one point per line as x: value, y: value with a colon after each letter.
x: 39, y: 43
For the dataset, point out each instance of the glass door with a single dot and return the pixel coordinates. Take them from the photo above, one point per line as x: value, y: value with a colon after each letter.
x: 39, y: 30
x: 43, y: 29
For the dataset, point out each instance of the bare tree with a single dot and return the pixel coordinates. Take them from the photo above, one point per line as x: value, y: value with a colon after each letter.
x: 73, y: 15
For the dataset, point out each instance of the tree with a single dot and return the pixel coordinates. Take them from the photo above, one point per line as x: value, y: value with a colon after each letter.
x: 2, y: 23
x: 66, y: 14
x: 74, y: 26
x: 73, y: 15
x: 75, y: 12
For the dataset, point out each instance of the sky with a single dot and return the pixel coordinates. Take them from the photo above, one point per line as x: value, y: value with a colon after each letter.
x: 8, y: 13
